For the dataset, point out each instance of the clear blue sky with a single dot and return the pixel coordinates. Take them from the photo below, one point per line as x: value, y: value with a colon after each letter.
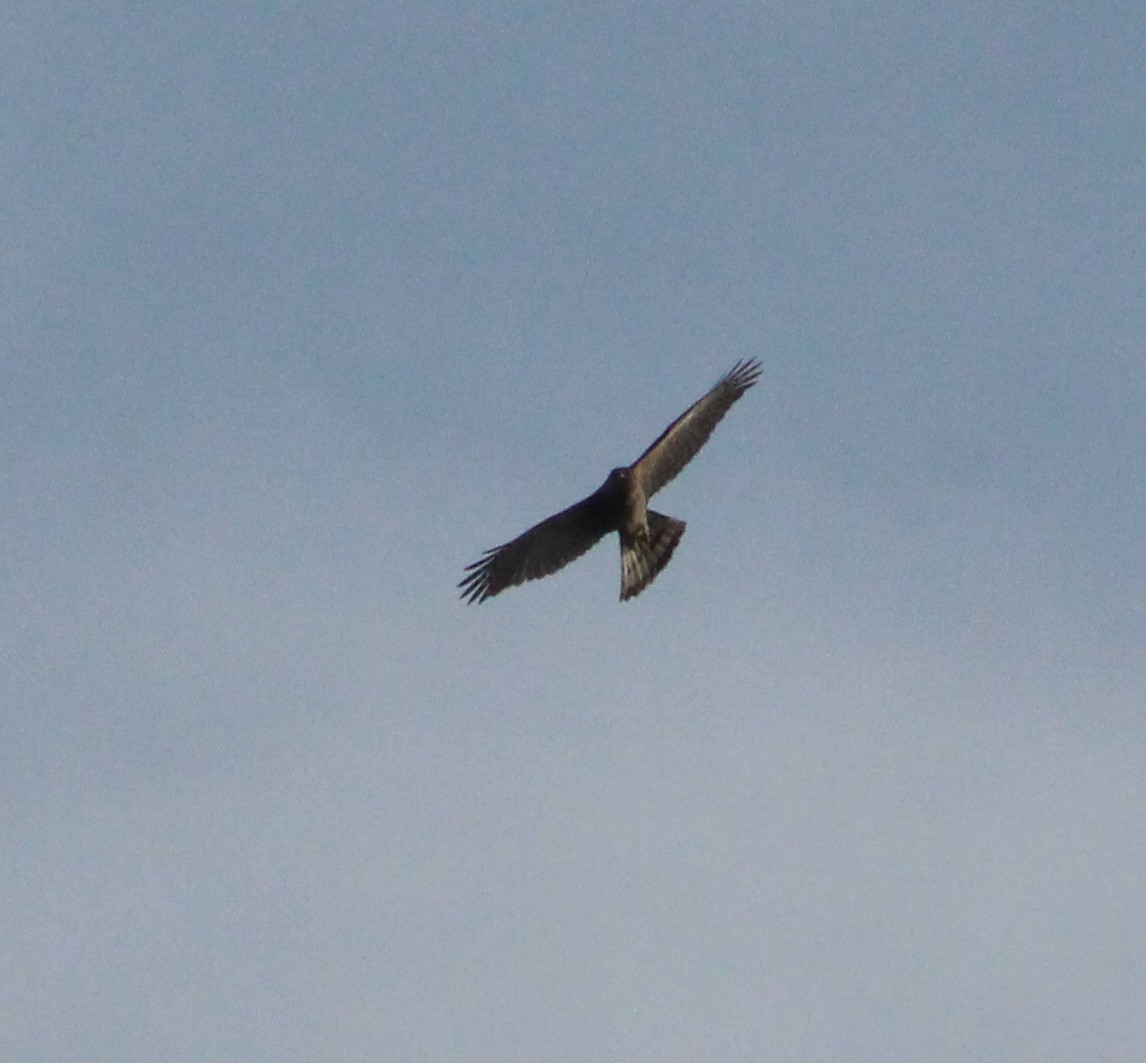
x: 304, y: 305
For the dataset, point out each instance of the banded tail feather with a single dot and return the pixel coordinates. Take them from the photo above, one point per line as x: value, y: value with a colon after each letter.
x: 643, y: 559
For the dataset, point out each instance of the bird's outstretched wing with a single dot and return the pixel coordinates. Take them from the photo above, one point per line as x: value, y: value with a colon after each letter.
x: 542, y: 550
x: 678, y: 444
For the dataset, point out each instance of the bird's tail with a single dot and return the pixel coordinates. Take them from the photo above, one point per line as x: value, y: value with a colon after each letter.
x: 642, y: 559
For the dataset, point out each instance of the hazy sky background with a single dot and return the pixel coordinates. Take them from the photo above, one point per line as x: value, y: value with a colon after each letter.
x: 304, y: 305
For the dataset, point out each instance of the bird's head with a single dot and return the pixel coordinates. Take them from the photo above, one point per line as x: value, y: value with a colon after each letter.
x: 617, y: 482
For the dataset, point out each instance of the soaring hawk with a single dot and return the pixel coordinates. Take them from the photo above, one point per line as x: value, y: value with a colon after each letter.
x: 620, y: 504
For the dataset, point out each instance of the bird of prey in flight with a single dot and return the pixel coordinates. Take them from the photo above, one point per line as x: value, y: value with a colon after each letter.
x: 620, y: 504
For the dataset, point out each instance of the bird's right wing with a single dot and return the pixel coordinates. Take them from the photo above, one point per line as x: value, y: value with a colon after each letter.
x: 677, y: 445
x: 541, y: 551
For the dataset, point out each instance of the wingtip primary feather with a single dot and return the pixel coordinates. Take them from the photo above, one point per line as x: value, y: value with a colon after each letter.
x: 744, y: 374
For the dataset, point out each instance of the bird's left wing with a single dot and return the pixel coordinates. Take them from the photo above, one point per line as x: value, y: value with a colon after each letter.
x: 542, y: 550
x: 678, y: 444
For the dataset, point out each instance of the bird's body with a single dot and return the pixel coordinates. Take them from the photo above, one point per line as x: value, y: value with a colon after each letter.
x: 620, y: 504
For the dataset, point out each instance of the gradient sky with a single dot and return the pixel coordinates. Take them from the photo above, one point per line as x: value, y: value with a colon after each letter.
x: 304, y: 305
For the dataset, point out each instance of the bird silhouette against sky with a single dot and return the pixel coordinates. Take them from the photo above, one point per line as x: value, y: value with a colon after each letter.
x: 619, y: 505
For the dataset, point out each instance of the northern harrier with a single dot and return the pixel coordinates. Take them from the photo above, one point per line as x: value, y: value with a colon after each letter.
x: 620, y: 504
